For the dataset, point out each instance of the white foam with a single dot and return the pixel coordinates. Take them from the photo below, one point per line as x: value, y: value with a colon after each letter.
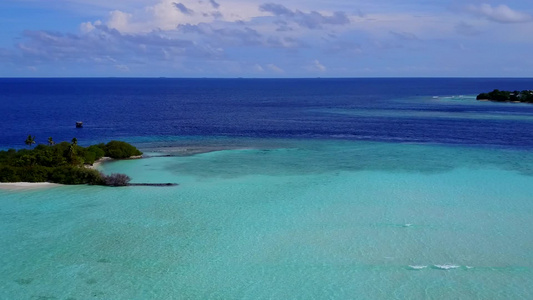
x: 408, y: 225
x: 417, y: 267
x: 446, y: 267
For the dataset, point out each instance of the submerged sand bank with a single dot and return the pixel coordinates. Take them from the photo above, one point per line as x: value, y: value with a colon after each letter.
x: 13, y: 186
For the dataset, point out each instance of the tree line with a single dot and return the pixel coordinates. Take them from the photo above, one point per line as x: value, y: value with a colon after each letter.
x: 63, y: 162
x: 525, y: 96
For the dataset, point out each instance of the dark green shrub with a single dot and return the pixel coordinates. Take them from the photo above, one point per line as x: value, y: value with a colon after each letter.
x: 89, y: 157
x: 116, y: 179
x: 9, y: 174
x: 75, y: 175
x: 118, y: 149
x: 98, y: 151
x: 34, y: 174
x: 482, y: 96
x: 525, y: 96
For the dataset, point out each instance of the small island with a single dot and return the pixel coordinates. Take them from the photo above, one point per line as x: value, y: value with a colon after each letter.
x: 525, y: 96
x: 64, y: 163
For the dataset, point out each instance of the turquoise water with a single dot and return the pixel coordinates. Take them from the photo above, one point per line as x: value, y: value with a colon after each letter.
x: 279, y: 219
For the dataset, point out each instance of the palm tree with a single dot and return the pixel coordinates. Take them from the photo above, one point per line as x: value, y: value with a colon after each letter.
x: 51, y: 141
x: 30, y: 140
x: 72, y: 150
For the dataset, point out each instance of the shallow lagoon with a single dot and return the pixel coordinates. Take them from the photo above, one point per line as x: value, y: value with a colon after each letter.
x: 289, y: 189
x: 281, y: 219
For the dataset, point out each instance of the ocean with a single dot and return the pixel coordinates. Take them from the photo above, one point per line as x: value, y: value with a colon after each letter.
x: 377, y: 188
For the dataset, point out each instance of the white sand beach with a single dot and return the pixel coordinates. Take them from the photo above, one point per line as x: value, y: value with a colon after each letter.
x: 13, y: 186
x: 104, y: 159
x: 99, y: 162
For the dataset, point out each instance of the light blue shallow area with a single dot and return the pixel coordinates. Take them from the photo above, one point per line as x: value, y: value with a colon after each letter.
x: 296, y: 220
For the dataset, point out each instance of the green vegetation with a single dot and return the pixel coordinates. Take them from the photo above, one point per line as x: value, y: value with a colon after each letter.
x: 525, y: 96
x: 119, y: 150
x: 63, y: 163
x: 30, y: 140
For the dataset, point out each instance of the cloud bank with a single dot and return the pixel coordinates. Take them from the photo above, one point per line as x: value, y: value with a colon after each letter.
x: 264, y: 38
x: 501, y: 13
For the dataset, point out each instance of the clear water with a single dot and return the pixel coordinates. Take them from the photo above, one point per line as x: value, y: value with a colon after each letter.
x: 316, y: 217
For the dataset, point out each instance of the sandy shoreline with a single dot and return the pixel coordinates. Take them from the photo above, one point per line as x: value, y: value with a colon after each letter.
x: 98, y: 162
x: 14, y: 186
x: 104, y: 159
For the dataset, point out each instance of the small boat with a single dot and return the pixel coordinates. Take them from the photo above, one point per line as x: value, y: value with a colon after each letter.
x: 79, y: 124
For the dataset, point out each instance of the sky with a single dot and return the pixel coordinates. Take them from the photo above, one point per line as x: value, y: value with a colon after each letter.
x: 266, y: 38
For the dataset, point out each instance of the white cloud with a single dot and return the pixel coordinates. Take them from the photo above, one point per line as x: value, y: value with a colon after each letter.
x: 275, y: 68
x: 274, y: 25
x: 87, y: 27
x: 122, y: 68
x: 258, y: 68
x: 501, y: 13
x: 318, y: 66
x: 169, y: 14
x: 311, y: 20
x: 120, y: 21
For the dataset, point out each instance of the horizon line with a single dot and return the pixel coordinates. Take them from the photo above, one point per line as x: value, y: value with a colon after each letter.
x: 242, y: 77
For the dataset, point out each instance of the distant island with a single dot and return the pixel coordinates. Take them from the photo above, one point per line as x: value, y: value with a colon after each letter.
x: 64, y: 163
x: 525, y: 96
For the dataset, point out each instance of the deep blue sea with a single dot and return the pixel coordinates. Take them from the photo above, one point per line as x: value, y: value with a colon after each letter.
x: 381, y: 188
x: 389, y: 110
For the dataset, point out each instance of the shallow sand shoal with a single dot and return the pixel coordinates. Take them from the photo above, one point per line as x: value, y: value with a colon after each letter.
x: 14, y: 186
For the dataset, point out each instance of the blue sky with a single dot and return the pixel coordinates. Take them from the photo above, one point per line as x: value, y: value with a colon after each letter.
x: 263, y: 38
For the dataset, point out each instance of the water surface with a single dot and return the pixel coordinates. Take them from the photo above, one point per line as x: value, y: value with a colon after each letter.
x: 298, y: 189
